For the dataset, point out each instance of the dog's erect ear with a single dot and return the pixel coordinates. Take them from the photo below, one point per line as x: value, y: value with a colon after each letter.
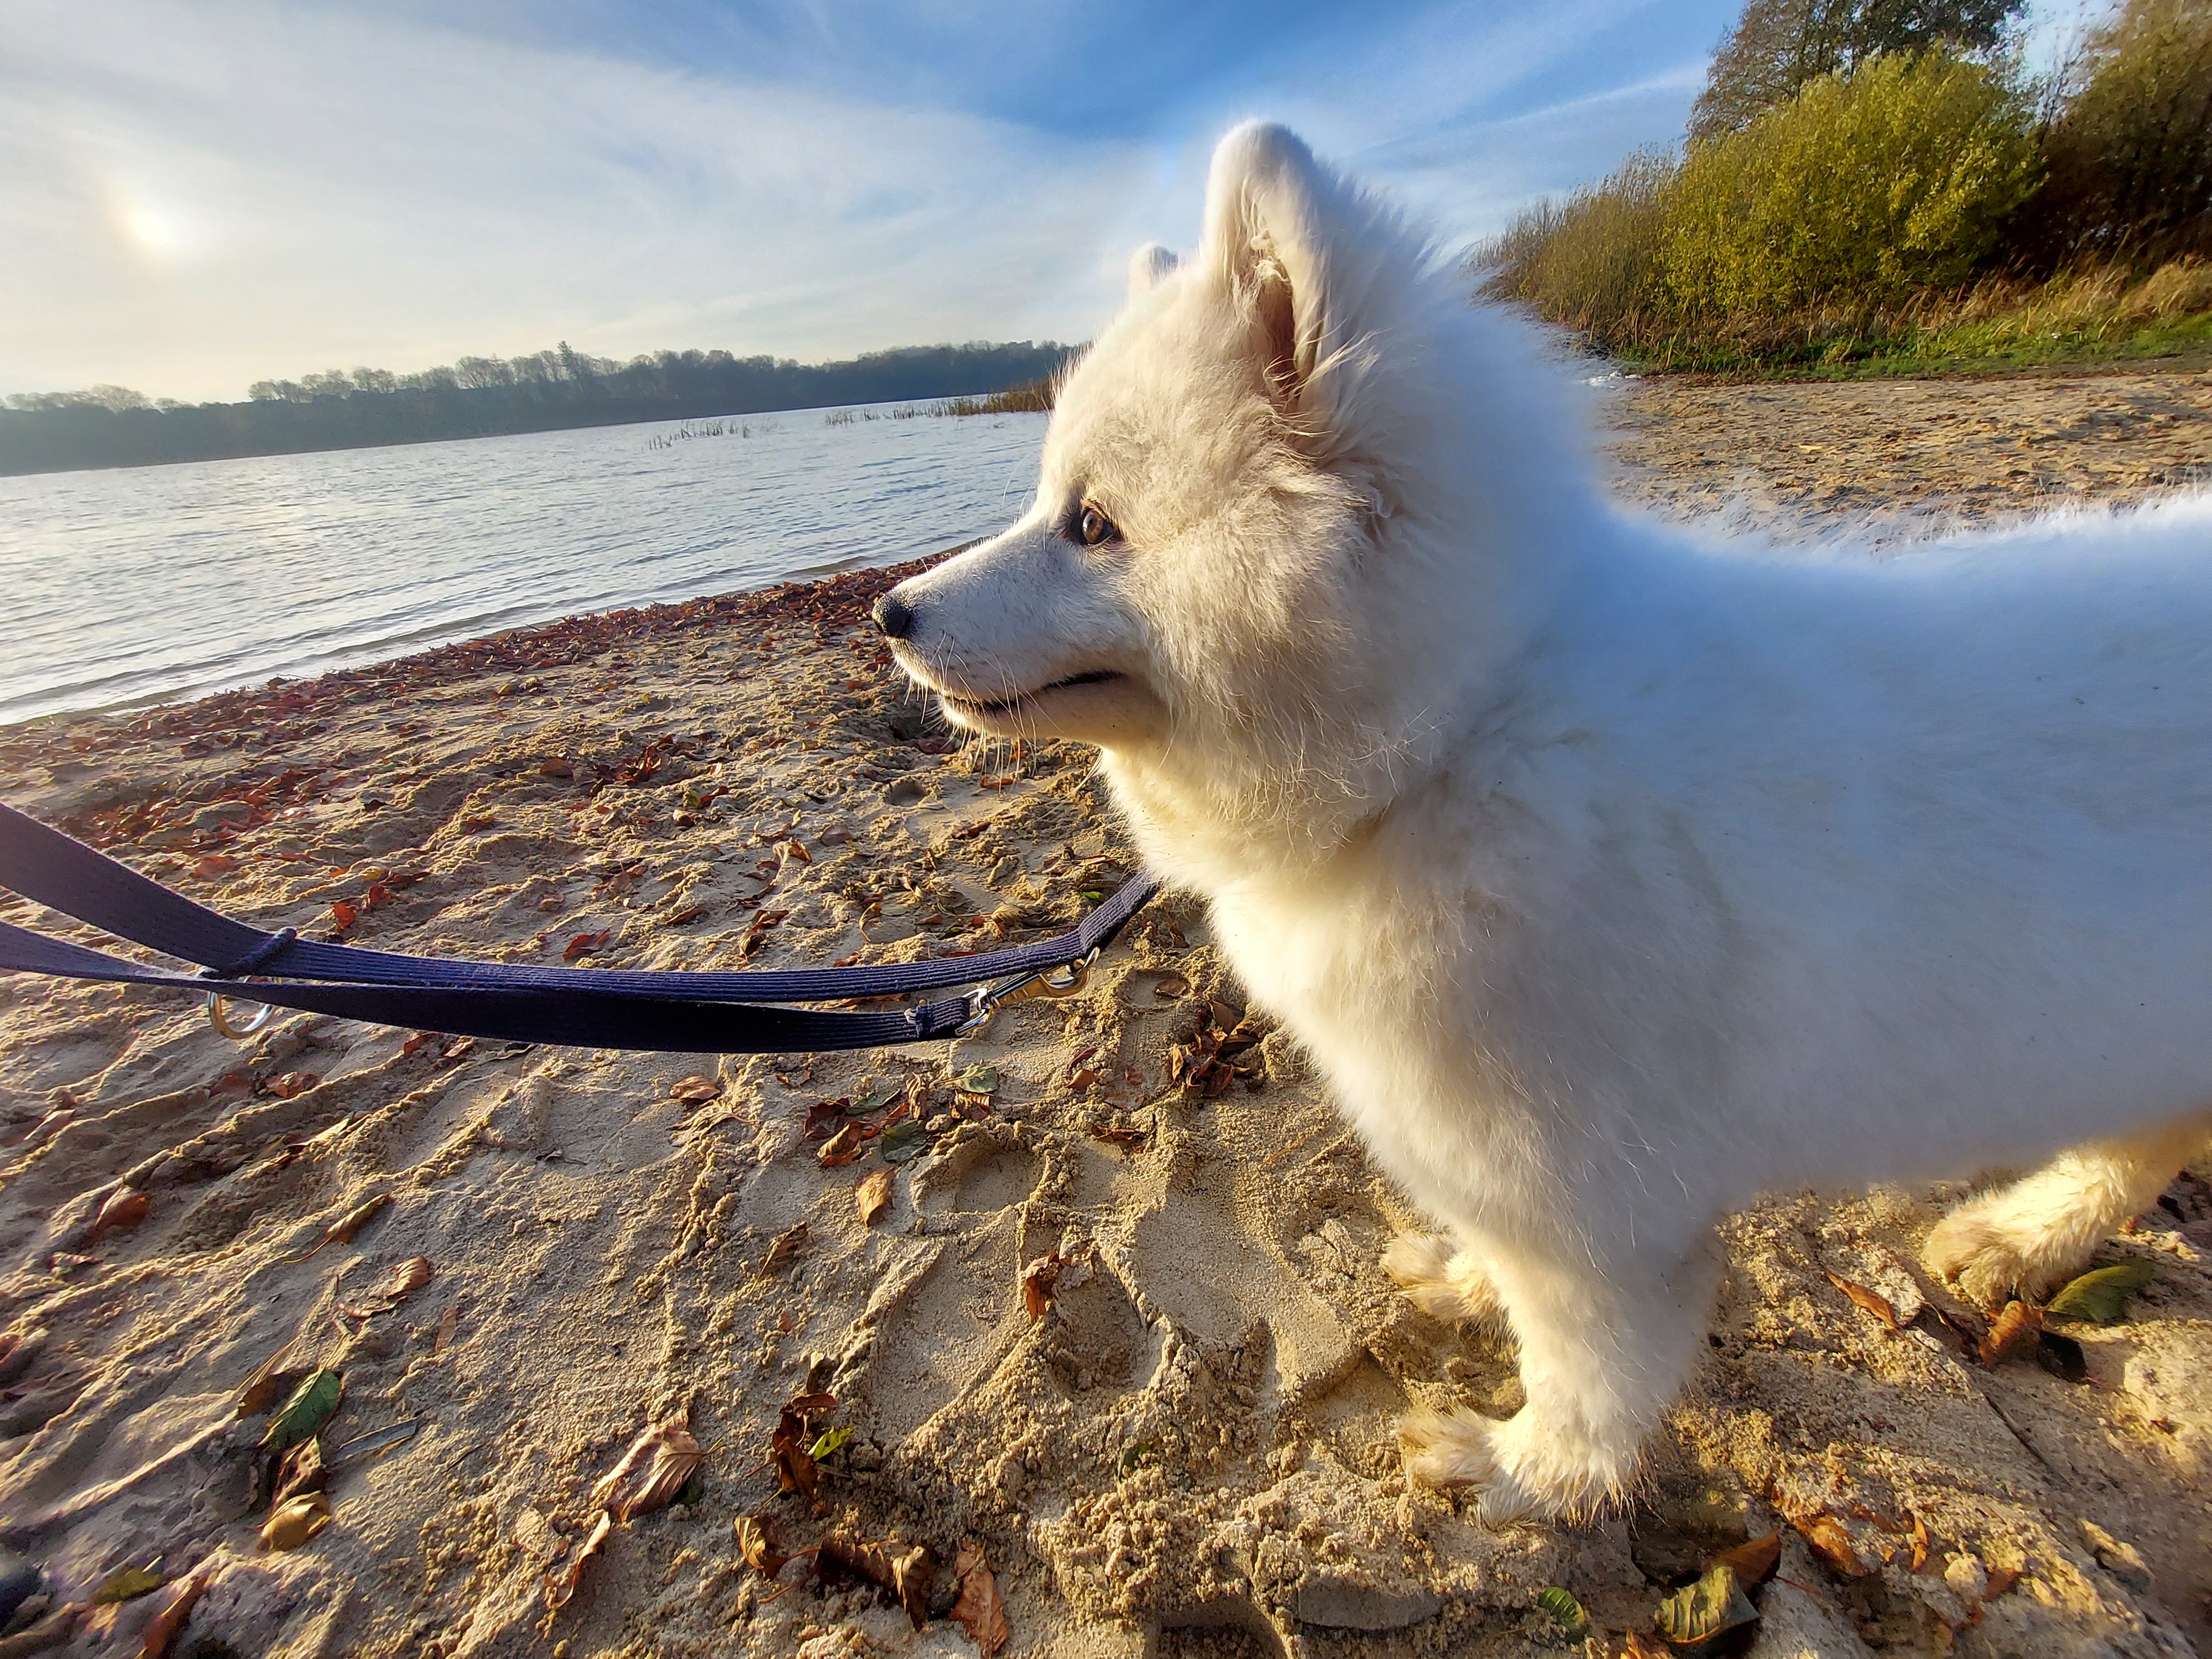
x: 1265, y: 204
x: 1149, y: 266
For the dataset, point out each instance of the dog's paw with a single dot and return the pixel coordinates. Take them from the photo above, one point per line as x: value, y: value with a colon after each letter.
x: 1518, y: 1481
x: 1441, y: 1283
x: 1993, y: 1256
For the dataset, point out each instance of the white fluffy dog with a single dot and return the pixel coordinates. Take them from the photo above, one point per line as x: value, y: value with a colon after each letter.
x: 1612, y: 875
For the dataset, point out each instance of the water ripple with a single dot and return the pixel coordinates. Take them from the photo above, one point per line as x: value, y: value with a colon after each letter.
x: 154, y: 584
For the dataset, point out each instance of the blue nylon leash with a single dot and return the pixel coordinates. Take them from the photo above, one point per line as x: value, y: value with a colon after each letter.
x: 599, y: 1008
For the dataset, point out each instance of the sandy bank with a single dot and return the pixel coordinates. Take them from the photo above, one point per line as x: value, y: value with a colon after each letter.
x: 1188, y: 1451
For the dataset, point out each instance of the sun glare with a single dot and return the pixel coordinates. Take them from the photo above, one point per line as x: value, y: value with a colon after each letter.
x: 151, y: 230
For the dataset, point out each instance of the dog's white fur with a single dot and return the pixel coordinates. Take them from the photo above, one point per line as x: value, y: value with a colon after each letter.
x: 1612, y: 875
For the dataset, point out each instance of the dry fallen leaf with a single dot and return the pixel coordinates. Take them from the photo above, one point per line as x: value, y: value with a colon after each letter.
x: 2014, y: 1331
x: 175, y: 1606
x: 695, y: 1091
x: 271, y: 1382
x: 842, y: 1148
x: 344, y: 914
x: 343, y: 1230
x: 125, y: 1208
x: 446, y: 1320
x: 582, y: 944
x: 782, y: 1253
x: 757, y: 1548
x: 794, y: 1467
x: 981, y: 1610
x: 295, y: 1521
x: 1752, y: 1563
x: 1921, y: 1545
x: 651, y: 1472
x: 1872, y: 1301
x: 2001, y: 1580
x: 302, y: 1471
x: 396, y: 1286
x: 873, y: 1195
x: 1038, y: 1279
x: 560, y: 1587
x: 906, y: 1575
x: 1830, y: 1540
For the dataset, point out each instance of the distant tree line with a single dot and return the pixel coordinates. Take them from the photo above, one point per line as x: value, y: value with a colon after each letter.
x: 484, y: 396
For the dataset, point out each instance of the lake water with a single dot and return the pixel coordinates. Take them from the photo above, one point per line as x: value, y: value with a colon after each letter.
x: 167, y: 582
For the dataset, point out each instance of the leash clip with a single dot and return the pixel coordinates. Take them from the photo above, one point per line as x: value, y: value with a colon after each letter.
x: 218, y: 1017
x: 985, y: 1001
x: 217, y: 1013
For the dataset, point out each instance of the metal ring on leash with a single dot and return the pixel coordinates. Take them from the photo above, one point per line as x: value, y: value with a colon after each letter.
x: 985, y: 1001
x: 221, y: 1020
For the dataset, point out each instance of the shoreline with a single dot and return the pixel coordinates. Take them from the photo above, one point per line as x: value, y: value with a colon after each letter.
x: 1122, y: 1329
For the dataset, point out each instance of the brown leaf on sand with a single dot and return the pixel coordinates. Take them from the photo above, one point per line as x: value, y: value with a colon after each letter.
x: 555, y: 767
x: 2001, y: 1580
x: 175, y: 1606
x: 758, y: 1547
x: 651, y: 1472
x: 795, y: 1469
x: 784, y: 1251
x: 343, y: 1230
x: 842, y: 1148
x: 294, y: 1521
x: 582, y: 944
x: 1830, y: 1540
x: 1922, y: 1544
x: 1038, y: 1279
x: 824, y: 1117
x: 301, y: 1472
x: 560, y: 1587
x: 1872, y: 1301
x: 906, y: 1575
x: 447, y: 1322
x: 396, y: 1286
x: 1753, y: 1563
x: 873, y: 1195
x: 2014, y: 1331
x: 293, y: 1084
x: 270, y: 1383
x: 695, y: 1091
x: 343, y: 915
x: 981, y: 1610
x: 125, y: 1208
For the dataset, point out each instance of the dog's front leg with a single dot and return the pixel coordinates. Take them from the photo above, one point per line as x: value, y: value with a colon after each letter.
x: 1606, y: 1343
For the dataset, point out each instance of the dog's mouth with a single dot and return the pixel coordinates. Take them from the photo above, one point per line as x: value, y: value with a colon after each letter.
x: 1001, y: 707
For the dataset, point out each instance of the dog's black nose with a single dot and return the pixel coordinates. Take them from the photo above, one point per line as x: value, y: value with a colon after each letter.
x: 895, y: 616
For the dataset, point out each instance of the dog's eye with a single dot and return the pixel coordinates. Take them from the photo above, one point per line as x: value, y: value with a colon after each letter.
x: 1094, y: 528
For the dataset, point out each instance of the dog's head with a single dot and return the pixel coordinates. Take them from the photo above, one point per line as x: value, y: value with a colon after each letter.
x: 1232, y: 550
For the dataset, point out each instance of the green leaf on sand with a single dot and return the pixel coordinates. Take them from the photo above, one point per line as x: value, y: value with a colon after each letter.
x: 2101, y: 1295
x: 306, y: 1411
x: 125, y: 1583
x: 977, y: 1081
x: 1562, y: 1607
x: 902, y: 1140
x: 1696, y: 1613
x: 830, y: 1442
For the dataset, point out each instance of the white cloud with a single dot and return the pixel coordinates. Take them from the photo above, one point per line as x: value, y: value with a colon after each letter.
x: 203, y: 196
x: 197, y: 193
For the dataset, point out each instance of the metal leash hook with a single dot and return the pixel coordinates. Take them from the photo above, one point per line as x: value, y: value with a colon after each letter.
x: 259, y: 956
x: 221, y: 1020
x: 986, y: 1001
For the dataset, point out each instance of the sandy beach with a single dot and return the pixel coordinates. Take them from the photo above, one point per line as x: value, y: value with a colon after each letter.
x: 1098, y: 1296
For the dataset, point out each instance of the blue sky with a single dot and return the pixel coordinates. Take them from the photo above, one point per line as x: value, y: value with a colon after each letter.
x: 195, y: 194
